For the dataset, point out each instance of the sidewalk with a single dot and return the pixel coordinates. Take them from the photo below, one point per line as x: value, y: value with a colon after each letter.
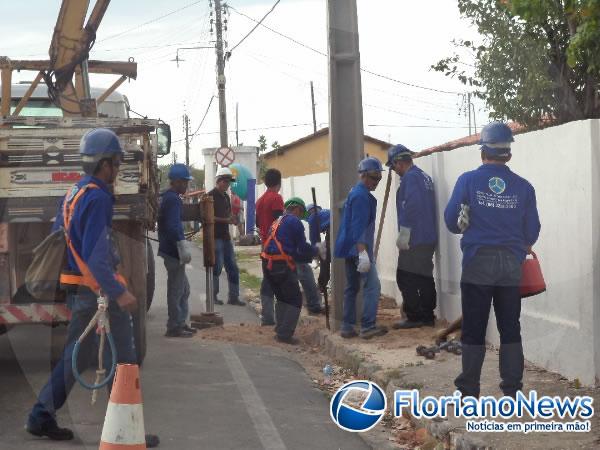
x: 391, y: 361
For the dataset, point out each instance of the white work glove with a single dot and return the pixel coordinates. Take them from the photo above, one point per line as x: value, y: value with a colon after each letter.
x: 185, y: 254
x: 403, y: 238
x: 322, y: 248
x: 364, y: 263
x: 463, y: 217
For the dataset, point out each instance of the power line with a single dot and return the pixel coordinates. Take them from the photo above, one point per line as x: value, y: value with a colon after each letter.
x: 203, y: 118
x: 260, y: 128
x: 416, y: 126
x: 255, y: 27
x: 150, y: 21
x: 370, y: 72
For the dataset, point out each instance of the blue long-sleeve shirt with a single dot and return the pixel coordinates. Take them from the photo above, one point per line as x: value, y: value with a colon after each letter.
x: 290, y: 235
x: 89, y: 233
x: 324, y: 220
x: 415, y: 207
x: 503, y: 211
x: 358, y: 223
x: 170, y: 226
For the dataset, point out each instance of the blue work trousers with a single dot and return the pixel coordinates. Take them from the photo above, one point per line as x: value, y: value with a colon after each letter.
x: 267, y: 302
x: 371, y: 288
x: 225, y: 257
x: 492, y: 276
x: 178, y: 294
x: 309, y: 286
x: 54, y: 394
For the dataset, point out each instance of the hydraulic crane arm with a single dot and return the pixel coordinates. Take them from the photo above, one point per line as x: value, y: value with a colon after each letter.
x: 71, y: 43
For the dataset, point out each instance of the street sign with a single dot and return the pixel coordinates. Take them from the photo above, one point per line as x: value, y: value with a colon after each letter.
x: 225, y: 156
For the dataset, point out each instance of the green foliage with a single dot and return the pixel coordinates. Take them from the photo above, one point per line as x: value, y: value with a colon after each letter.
x: 538, y: 59
x: 196, y: 183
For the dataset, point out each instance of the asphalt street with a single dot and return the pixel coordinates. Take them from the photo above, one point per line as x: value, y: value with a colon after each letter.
x: 197, y: 394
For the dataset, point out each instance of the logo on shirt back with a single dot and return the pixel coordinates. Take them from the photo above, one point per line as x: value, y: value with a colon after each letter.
x: 497, y: 185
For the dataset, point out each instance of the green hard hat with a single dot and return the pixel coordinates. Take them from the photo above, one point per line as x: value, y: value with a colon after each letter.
x: 296, y: 201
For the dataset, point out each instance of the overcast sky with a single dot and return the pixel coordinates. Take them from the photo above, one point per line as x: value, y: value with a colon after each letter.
x: 268, y: 75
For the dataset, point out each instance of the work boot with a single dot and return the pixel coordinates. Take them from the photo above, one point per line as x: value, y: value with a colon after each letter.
x: 51, y: 430
x: 179, y: 333
x: 236, y: 302
x: 152, y: 440
x: 316, y: 311
x: 190, y: 329
x: 512, y: 365
x: 472, y: 362
x: 374, y: 332
x: 349, y: 334
x: 218, y: 302
x: 287, y: 340
x: 267, y: 324
x: 407, y: 324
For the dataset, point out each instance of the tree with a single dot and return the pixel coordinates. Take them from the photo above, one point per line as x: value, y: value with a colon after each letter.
x: 538, y: 60
x: 196, y: 183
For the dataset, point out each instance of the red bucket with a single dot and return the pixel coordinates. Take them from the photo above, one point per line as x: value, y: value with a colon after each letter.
x: 532, y: 279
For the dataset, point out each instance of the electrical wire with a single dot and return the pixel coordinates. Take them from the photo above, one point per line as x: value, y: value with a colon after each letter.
x: 203, y: 118
x: 370, y: 72
x: 156, y: 19
x: 255, y: 27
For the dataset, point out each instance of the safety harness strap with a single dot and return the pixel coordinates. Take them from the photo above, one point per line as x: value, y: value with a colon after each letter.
x: 86, y: 278
x: 282, y: 256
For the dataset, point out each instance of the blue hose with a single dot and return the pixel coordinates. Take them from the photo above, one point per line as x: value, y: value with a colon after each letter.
x: 106, y: 380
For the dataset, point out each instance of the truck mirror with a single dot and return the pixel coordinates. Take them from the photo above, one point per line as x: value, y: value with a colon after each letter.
x: 164, y: 139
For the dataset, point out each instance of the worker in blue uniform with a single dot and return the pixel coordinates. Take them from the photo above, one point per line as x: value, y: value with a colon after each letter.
x: 86, y: 214
x: 324, y: 216
x: 285, y: 246
x: 496, y: 212
x: 175, y: 251
x: 416, y: 241
x: 355, y: 243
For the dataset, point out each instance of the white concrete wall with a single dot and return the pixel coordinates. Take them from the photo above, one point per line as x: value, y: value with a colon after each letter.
x: 558, y: 327
x: 561, y: 327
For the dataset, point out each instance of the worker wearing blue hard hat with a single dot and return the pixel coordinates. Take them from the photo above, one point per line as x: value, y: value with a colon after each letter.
x: 86, y: 214
x: 175, y: 251
x: 355, y: 243
x: 495, y: 211
x: 416, y: 241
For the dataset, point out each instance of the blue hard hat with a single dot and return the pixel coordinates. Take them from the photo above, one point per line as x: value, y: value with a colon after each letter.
x: 398, y: 151
x: 311, y: 206
x: 495, y: 138
x: 370, y: 164
x: 179, y: 172
x: 98, y: 144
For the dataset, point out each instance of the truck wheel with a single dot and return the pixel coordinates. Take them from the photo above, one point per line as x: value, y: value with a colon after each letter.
x: 150, y: 277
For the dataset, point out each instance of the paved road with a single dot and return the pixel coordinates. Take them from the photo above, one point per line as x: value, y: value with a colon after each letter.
x: 196, y: 394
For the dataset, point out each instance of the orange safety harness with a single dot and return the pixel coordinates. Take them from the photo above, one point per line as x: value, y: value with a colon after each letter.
x: 86, y: 278
x: 282, y: 256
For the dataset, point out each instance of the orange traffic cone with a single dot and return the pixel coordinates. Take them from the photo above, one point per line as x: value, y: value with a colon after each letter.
x: 124, y: 421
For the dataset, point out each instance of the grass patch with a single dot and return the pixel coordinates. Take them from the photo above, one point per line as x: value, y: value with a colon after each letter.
x: 249, y: 281
x: 242, y: 257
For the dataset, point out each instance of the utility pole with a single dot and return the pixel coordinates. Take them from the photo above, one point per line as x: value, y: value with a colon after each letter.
x: 186, y: 124
x: 312, y: 99
x: 221, y: 74
x: 346, y: 124
x: 469, y: 108
x: 237, y: 125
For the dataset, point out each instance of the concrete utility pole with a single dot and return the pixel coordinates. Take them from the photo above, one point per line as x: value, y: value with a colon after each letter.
x: 237, y: 125
x: 221, y: 74
x: 346, y: 123
x: 186, y: 124
x: 312, y: 99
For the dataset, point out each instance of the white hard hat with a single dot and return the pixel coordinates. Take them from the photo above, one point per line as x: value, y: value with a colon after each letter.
x: 224, y: 172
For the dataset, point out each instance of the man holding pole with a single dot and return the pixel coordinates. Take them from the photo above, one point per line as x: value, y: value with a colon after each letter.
x: 417, y: 239
x: 355, y: 243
